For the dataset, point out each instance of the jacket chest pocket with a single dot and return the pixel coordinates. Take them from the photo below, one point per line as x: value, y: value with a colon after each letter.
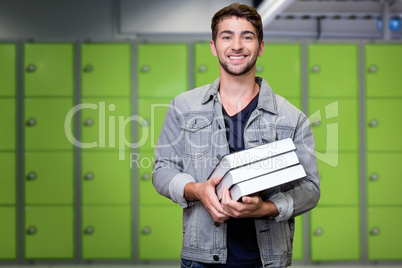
x: 270, y: 133
x: 197, y: 133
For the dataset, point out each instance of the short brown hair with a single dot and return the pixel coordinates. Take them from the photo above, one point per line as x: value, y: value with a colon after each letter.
x: 239, y: 11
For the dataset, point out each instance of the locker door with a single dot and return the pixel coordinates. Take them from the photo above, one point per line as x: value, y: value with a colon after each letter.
x: 152, y: 113
x: 8, y: 178
x: 160, y: 232
x: 340, y: 181
x: 298, y: 244
x: 49, y: 232
x: 49, y: 69
x: 106, y: 70
x: 162, y: 70
x: 101, y: 126
x: 384, y: 235
x: 147, y: 194
x: 106, y: 232
x: 105, y: 178
x: 334, y: 234
x: 206, y: 66
x: 7, y: 124
x: 8, y: 70
x: 49, y: 178
x: 383, y: 181
x: 44, y: 124
x: 8, y: 233
x: 280, y: 65
x: 333, y: 70
x: 383, y: 65
x: 337, y: 121
x: 383, y: 131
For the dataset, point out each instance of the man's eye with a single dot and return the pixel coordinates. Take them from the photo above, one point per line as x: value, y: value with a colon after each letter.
x: 248, y: 38
x: 226, y: 37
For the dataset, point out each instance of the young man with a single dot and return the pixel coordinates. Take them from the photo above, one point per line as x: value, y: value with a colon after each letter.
x: 236, y: 112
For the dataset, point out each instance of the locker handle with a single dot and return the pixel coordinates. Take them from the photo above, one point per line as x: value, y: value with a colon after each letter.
x: 146, y: 177
x: 89, y: 68
x: 372, y: 69
x: 89, y: 176
x: 88, y: 122
x: 89, y: 230
x: 259, y: 69
x: 202, y: 69
x: 146, y: 230
x: 316, y: 123
x: 31, y: 122
x: 374, y: 177
x: 31, y: 68
x: 145, y: 69
x: 375, y: 231
x: 146, y: 123
x: 31, y: 230
x: 31, y: 176
x: 318, y: 232
x: 315, y: 69
x: 373, y: 123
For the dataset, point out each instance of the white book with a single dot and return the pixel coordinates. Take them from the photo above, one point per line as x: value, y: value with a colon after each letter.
x: 267, y: 181
x: 251, y: 155
x: 256, y: 169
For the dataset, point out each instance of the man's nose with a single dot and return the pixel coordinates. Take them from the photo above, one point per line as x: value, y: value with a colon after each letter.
x: 237, y: 44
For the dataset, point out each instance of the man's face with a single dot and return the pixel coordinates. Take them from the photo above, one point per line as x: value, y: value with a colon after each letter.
x: 237, y: 46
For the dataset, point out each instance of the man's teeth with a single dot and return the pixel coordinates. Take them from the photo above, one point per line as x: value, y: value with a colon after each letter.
x: 236, y: 57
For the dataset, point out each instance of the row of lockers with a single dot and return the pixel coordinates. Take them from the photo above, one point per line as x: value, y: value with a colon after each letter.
x: 162, y: 72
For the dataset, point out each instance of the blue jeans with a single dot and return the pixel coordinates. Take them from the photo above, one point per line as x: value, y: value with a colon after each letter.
x: 194, y: 264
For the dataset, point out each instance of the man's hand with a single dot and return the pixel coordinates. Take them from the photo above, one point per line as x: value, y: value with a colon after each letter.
x: 205, y: 192
x: 250, y: 207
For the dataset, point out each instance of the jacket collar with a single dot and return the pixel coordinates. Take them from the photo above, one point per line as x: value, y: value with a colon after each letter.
x: 266, y: 100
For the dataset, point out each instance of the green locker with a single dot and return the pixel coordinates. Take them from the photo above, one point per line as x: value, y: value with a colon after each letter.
x: 383, y: 181
x: 383, y: 233
x: 106, y: 232
x: 8, y: 124
x: 383, y: 130
x: 296, y: 102
x: 335, y: 123
x: 280, y: 66
x: 8, y: 70
x: 151, y: 114
x: 8, y: 178
x: 106, y: 70
x: 162, y: 70
x: 147, y: 194
x: 206, y: 65
x: 48, y: 69
x: 333, y: 70
x: 106, y: 123
x: 334, y: 234
x: 106, y: 178
x: 298, y: 248
x: 340, y: 184
x: 160, y: 232
x: 44, y: 121
x: 49, y: 232
x: 49, y: 178
x: 383, y: 65
x: 8, y: 233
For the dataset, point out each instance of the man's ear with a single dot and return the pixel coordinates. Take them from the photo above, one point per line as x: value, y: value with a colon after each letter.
x: 213, y: 48
x: 261, y: 49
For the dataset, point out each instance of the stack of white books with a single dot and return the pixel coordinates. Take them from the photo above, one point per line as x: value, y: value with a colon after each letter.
x: 256, y: 169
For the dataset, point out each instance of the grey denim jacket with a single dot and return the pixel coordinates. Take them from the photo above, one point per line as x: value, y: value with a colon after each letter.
x: 192, y: 141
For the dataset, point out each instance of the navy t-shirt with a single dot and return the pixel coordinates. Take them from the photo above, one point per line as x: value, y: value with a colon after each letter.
x: 241, y: 235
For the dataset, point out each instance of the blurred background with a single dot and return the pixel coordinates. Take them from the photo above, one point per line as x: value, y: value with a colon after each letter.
x: 84, y: 87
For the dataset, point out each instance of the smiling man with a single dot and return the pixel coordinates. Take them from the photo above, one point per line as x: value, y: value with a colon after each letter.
x: 236, y: 112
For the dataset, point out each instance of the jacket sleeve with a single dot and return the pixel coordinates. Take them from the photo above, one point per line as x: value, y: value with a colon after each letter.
x: 300, y: 196
x: 168, y: 177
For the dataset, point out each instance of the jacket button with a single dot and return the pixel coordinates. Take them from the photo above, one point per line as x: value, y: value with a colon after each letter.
x: 217, y: 224
x: 219, y: 157
x: 216, y: 258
